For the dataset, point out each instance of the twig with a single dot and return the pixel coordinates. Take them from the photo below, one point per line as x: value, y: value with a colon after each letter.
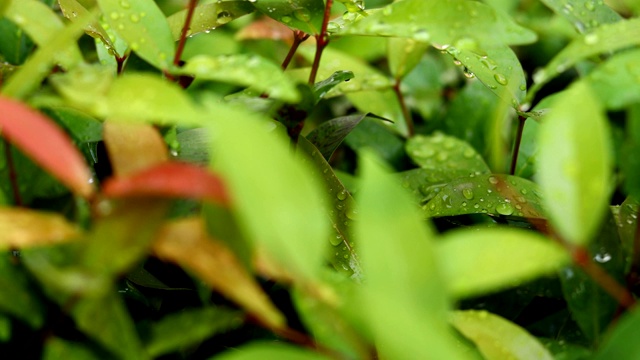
x: 322, y: 40
x: 298, y: 38
x: 183, y: 38
x: 403, y: 105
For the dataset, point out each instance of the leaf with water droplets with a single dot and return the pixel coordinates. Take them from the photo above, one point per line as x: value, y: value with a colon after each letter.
x: 497, y: 337
x: 440, y: 151
x: 378, y: 137
x: 71, y: 9
x: 305, y: 15
x: 442, y: 23
x: 423, y: 182
x: 617, y: 81
x: 497, y: 67
x: 585, y: 15
x: 207, y: 17
x: 480, y: 261
x: 574, y: 164
x: 321, y: 88
x: 606, y: 38
x: 239, y: 69
x: 484, y: 194
x: 144, y: 27
x: 626, y: 216
x: 404, y: 55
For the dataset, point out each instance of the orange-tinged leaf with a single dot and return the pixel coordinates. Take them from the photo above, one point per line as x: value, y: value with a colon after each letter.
x: 170, y: 179
x: 46, y: 144
x: 187, y: 243
x: 133, y: 147
x: 266, y: 28
x: 22, y: 228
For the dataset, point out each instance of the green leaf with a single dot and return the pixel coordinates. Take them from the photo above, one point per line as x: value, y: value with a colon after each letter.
x: 293, y: 234
x: 329, y: 135
x: 42, y: 25
x: 56, y: 349
x: 207, y: 17
x: 15, y: 45
x: 480, y: 261
x: 71, y: 9
x: 404, y: 309
x: 442, y: 23
x: 441, y: 151
x: 82, y: 127
x: 380, y: 138
x: 497, y: 67
x: 144, y: 27
x: 575, y: 164
x: 616, y: 82
x: 483, y: 194
x: 194, y: 146
x: 621, y: 341
x: 16, y: 298
x: 606, y: 38
x: 404, y: 55
x: 498, y: 338
x: 321, y: 88
x: 305, y: 15
x: 258, y: 351
x: 585, y: 15
x: 630, y: 163
x: 5, y: 328
x: 383, y: 103
x: 190, y: 327
x: 626, y: 216
x: 238, y: 69
x: 423, y: 182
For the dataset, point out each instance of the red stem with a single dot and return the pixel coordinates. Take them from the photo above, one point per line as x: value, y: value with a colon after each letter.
x: 185, y: 29
x: 322, y: 40
x: 298, y: 38
x: 405, y: 111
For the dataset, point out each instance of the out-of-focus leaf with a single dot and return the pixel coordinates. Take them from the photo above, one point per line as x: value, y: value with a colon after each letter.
x: 606, y: 38
x: 294, y: 233
x: 256, y: 350
x: 575, y: 165
x: 16, y: 298
x: 305, y: 15
x: 561, y: 350
x: 194, y: 146
x: 343, y: 256
x: 5, y: 327
x: 404, y: 55
x: 409, y: 303
x: 171, y: 179
x: 627, y: 221
x: 133, y: 147
x: 82, y: 127
x: 630, y: 163
x: 239, y: 69
x: 144, y: 27
x: 190, y: 327
x: 329, y: 135
x: 323, y: 87
x: 480, y: 261
x: 442, y: 151
x: 46, y: 144
x: 187, y: 243
x: 484, y: 194
x: 373, y: 134
x: 443, y: 23
x: 22, y: 228
x: 498, y: 338
x: 617, y: 81
x: 207, y: 17
x: 585, y: 15
x: 56, y: 349
x: 497, y: 67
x: 15, y: 45
x: 71, y: 9
x: 621, y: 340
x: 42, y: 25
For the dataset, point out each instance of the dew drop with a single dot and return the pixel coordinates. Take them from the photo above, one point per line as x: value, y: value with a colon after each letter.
x: 493, y: 180
x: 134, y: 18
x: 286, y: 19
x: 504, y: 209
x: 590, y: 5
x: 125, y: 4
x: 114, y: 15
x: 336, y: 240
x: 467, y: 193
x: 602, y: 258
x: 500, y: 79
x: 302, y: 15
x: 342, y: 195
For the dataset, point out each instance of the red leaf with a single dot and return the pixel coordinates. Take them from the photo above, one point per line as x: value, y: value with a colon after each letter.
x: 170, y: 179
x: 46, y: 144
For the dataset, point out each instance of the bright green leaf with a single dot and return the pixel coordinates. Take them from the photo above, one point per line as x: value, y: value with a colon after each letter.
x: 404, y: 55
x: 575, y: 163
x: 617, y: 81
x: 621, y: 343
x: 207, y: 17
x: 440, y: 151
x: 585, y: 15
x: 71, y: 9
x: 56, y: 349
x: 480, y: 261
x: 305, y: 15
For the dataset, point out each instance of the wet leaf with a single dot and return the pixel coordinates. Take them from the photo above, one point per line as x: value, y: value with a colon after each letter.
x: 440, y: 151
x: 82, y: 127
x: 373, y: 134
x: 575, y: 165
x: 190, y: 327
x: 133, y: 147
x: 186, y: 242
x: 480, y: 261
x: 443, y: 23
x: 401, y: 306
x: 497, y: 337
x: 207, y: 17
x: 14, y: 47
x: 620, y: 342
x: 170, y: 179
x: 323, y: 87
x: 144, y: 27
x: 71, y: 9
x: 194, y: 146
x: 257, y: 351
x: 45, y: 144
x: 42, y: 25
x: 329, y: 135
x: 239, y: 69
x: 627, y: 221
x: 23, y: 228
x: 305, y: 15
x: 585, y: 15
x: 629, y: 163
x: 383, y: 103
x: 606, y: 38
x: 422, y: 182
x: 404, y: 54
x: 617, y: 81
x: 16, y: 297
x: 483, y: 194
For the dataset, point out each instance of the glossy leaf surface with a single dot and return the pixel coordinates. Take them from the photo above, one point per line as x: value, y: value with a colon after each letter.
x: 329, y: 135
x: 442, y: 151
x: 207, y: 17
x: 575, y: 165
x: 584, y: 15
x: 305, y: 15
x: 616, y: 82
x: 71, y: 9
x: 481, y: 261
x: 404, y: 55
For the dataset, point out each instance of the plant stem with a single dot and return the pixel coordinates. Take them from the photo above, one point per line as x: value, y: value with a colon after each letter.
x: 120, y: 62
x: 185, y: 29
x: 298, y: 38
x: 322, y: 40
x: 13, y: 176
x: 405, y: 111
x: 516, y: 146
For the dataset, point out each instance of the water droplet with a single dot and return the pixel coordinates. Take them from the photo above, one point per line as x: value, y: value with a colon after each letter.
x: 501, y: 79
x: 135, y: 46
x: 493, y: 180
x: 336, y: 240
x: 302, y: 15
x: 521, y: 199
x: 224, y: 17
x: 422, y: 35
x: 524, y: 191
x: 504, y: 209
x: 490, y: 64
x: 134, y: 18
x: 523, y: 87
x: 125, y: 4
x: 352, y: 214
x: 602, y: 258
x: 467, y: 193
x: 590, y: 39
x: 446, y: 199
x: 342, y: 195
x: 286, y: 19
x: 114, y: 15
x: 442, y: 156
x: 468, y: 153
x: 590, y: 5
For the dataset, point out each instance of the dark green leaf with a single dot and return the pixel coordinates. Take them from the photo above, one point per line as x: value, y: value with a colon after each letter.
x: 379, y: 137
x: 58, y: 349
x: 329, y: 135
x: 82, y: 127
x: 15, y: 44
x: 16, y: 297
x: 261, y: 351
x: 305, y: 15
